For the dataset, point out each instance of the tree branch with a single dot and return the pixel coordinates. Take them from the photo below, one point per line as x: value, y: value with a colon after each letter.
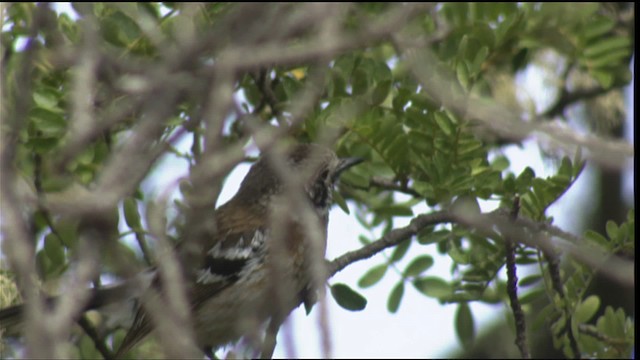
x: 611, y: 266
x: 593, y: 331
x: 512, y: 288
x: 388, y: 184
x: 392, y: 238
x: 568, y: 98
x: 498, y: 119
x: 90, y: 330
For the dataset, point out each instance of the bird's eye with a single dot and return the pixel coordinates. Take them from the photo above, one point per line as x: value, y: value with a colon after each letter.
x: 320, y: 192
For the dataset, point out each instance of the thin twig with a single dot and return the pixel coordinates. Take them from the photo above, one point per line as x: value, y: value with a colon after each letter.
x: 512, y: 288
x: 392, y: 238
x: 556, y: 280
x: 90, y: 330
x: 388, y: 184
x: 594, y: 332
x: 569, y: 98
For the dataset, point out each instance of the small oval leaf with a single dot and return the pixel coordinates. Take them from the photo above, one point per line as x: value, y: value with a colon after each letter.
x: 131, y: 214
x: 54, y: 250
x: 348, y: 298
x: 587, y: 308
x: 433, y: 287
x: 529, y: 280
x: 393, y: 303
x: 400, y: 250
x: 372, y: 276
x: 418, y: 265
x: 612, y: 229
x: 464, y: 325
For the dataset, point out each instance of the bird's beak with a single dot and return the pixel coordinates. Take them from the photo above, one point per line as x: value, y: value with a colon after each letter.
x: 345, y: 164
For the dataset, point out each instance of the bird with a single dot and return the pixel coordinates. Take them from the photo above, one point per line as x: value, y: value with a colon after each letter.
x: 258, y: 264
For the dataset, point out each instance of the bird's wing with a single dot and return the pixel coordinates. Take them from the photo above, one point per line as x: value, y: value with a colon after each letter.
x: 239, y: 242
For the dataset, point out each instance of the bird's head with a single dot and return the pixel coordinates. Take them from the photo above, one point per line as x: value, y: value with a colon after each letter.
x: 317, y: 167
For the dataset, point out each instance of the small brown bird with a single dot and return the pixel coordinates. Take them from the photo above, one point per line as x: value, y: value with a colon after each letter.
x: 258, y: 265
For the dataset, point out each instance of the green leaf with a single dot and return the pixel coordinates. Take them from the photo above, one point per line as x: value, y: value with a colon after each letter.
x: 566, y: 169
x: 597, y: 238
x: 400, y: 250
x: 608, y: 60
x: 87, y: 348
x: 347, y: 298
x: 598, y: 27
x: 47, y: 121
x: 481, y: 56
x: 54, y: 250
x: 523, y: 181
x: 359, y: 82
x: 67, y: 230
x: 434, y: 237
x: 464, y: 324
x: 42, y: 145
x: 542, y: 317
x: 531, y: 296
x: 119, y: 29
x: 612, y: 229
x: 418, y: 266
x: 118, y: 336
x: 509, y: 184
x: 56, y: 183
x: 363, y: 240
x: 587, y: 309
x: 355, y: 178
x: 372, y: 276
x: 612, y: 323
x: 43, y: 264
x: 444, y: 123
x: 393, y: 303
x: 46, y: 99
x: 394, y: 210
x: 463, y: 45
x: 463, y: 74
x: 607, y: 45
x: 529, y: 280
x: 338, y: 199
x: 529, y: 205
x: 457, y: 254
x: 500, y: 163
x: 380, y: 92
x: 526, y: 260
x: 68, y: 27
x: 605, y: 78
x: 433, y: 287
x: 131, y: 214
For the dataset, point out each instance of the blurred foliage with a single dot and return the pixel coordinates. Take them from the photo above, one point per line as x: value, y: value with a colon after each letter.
x: 380, y: 113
